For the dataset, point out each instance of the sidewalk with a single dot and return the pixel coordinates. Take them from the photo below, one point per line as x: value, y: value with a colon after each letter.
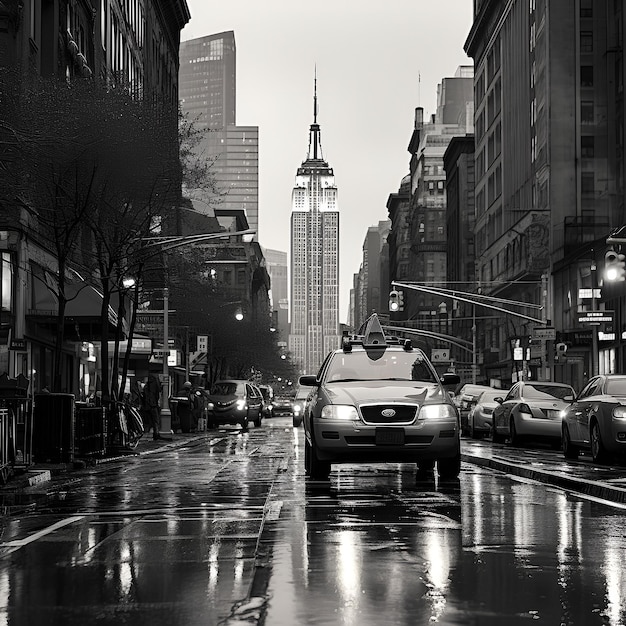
x: 40, y: 473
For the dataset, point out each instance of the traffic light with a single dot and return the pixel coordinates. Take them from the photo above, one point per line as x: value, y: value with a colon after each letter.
x: 614, y: 266
x: 394, y: 301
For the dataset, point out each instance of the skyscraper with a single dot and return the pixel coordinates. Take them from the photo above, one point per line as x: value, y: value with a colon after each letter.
x: 207, y: 87
x: 314, y: 258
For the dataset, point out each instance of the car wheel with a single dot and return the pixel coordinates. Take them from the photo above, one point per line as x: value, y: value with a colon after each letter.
x: 598, y: 451
x: 449, y: 469
x: 514, y: 438
x: 296, y: 420
x: 570, y: 451
x: 313, y: 467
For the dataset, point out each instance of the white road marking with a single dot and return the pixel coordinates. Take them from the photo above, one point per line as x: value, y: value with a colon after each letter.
x: 19, y: 543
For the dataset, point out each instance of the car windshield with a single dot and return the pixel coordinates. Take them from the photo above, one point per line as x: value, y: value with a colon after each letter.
x: 224, y: 389
x: 616, y: 387
x: 379, y: 365
x: 542, y: 392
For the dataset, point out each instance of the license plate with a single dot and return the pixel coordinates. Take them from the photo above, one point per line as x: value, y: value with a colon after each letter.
x: 390, y: 436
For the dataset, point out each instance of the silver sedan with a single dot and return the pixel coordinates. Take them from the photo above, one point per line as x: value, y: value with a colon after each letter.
x: 596, y: 421
x: 532, y: 410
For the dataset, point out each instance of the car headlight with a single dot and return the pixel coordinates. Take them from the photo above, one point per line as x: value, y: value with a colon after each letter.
x: 340, y: 412
x: 619, y: 411
x: 436, y: 411
x: 241, y: 405
x: 297, y: 408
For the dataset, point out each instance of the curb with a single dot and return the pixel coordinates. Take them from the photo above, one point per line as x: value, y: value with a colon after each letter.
x: 592, y: 488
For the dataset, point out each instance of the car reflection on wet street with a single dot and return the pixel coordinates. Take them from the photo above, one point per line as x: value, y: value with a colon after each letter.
x: 225, y: 529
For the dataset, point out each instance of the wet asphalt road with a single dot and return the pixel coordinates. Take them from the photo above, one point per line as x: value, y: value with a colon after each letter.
x: 223, y: 528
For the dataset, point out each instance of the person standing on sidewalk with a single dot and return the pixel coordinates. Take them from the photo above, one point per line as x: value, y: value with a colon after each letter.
x: 152, y: 408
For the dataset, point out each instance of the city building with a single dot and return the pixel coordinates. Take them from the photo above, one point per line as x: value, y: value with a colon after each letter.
x: 458, y: 163
x: 314, y: 301
x: 549, y: 167
x: 278, y: 270
x: 427, y: 211
x: 132, y: 45
x: 207, y: 79
x: 371, y: 287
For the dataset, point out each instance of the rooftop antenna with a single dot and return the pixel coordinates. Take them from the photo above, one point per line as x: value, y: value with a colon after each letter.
x: 315, y: 138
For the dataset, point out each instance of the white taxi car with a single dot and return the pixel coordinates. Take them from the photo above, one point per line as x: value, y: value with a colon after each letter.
x: 379, y: 399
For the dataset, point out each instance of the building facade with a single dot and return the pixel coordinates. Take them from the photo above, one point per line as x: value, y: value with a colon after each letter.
x: 427, y: 223
x: 372, y: 281
x: 549, y: 133
x: 278, y: 270
x: 208, y: 97
x: 132, y: 44
x: 314, y: 301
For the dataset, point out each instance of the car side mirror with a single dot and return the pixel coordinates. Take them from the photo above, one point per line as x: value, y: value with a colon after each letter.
x: 450, y: 379
x: 309, y: 381
x: 498, y: 400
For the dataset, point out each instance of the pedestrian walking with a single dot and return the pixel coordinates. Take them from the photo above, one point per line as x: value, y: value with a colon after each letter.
x: 152, y: 408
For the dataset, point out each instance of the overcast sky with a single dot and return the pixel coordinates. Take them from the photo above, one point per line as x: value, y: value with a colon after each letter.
x: 376, y: 62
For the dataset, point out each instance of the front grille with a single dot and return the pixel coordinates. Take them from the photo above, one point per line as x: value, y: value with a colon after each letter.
x: 402, y: 413
x: 370, y: 440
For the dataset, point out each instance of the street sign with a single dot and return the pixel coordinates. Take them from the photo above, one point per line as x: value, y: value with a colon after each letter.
x: 596, y: 317
x: 18, y: 344
x: 544, y: 332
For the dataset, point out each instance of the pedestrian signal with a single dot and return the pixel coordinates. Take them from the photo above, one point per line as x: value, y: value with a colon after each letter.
x: 614, y: 266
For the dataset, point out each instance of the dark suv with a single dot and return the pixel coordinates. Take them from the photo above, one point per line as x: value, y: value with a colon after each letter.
x: 234, y: 402
x: 378, y: 399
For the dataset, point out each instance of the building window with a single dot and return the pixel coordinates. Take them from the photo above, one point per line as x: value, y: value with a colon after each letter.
x: 586, y: 75
x: 586, y: 41
x: 6, y: 283
x: 586, y: 8
x: 587, y: 182
x: 587, y: 146
x: 586, y: 112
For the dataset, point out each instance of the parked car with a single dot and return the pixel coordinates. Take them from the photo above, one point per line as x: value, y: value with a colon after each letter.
x: 531, y: 410
x: 268, y: 400
x: 378, y: 399
x: 481, y: 414
x: 596, y: 420
x: 282, y: 405
x: 235, y: 402
x: 464, y: 399
x: 298, y: 404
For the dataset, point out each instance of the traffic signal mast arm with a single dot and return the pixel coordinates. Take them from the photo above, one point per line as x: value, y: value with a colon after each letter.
x: 438, y: 291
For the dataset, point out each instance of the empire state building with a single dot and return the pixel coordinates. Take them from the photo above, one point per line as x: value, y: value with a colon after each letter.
x: 314, y: 258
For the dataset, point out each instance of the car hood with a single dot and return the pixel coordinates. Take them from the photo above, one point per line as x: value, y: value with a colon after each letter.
x: 368, y: 392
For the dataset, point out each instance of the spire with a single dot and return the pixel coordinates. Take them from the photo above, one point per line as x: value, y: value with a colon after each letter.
x: 315, y: 135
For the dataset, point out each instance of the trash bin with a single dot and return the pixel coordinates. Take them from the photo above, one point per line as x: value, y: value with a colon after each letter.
x: 53, y: 428
x: 90, y: 430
